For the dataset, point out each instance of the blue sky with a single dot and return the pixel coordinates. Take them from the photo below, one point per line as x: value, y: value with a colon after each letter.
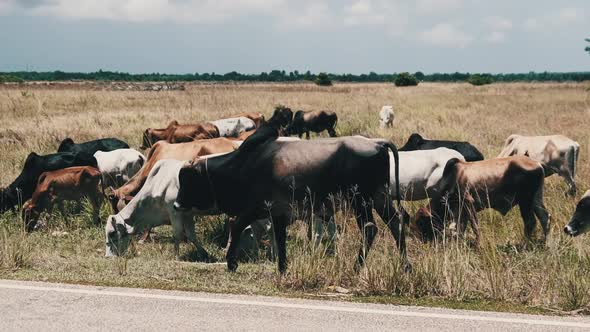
x: 250, y: 36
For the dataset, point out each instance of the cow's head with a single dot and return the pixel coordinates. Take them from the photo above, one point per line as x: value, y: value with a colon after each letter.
x: 65, y: 145
x: 30, y: 216
x: 426, y: 224
x: 580, y: 222
x: 386, y: 116
x: 147, y: 139
x: 194, y: 190
x: 118, y: 236
x: 281, y: 118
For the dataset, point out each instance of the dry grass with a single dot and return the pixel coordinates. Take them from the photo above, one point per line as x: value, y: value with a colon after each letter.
x: 450, y: 272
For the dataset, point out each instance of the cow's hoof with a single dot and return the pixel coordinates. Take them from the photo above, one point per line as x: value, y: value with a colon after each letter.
x: 407, y: 267
x: 232, y: 266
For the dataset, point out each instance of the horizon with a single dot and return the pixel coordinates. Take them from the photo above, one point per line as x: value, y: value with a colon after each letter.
x: 254, y: 36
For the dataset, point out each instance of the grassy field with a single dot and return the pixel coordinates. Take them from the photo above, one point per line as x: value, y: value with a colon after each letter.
x: 500, y: 275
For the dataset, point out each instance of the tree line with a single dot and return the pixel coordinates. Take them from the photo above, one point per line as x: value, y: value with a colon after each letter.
x: 283, y: 76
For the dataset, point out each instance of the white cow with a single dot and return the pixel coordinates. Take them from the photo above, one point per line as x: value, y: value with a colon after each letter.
x: 558, y: 154
x: 232, y: 127
x: 118, y: 166
x: 151, y: 207
x: 386, y: 117
x: 420, y: 172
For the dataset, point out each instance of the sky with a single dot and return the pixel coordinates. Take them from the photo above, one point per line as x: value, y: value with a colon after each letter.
x: 251, y: 36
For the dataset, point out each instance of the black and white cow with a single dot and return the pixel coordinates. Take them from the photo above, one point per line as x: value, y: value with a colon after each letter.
x: 580, y: 221
x: 276, y: 179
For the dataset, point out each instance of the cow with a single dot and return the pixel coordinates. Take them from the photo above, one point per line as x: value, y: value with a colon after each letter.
x: 118, y: 166
x: 152, y: 207
x: 417, y: 142
x: 163, y: 150
x: 386, y: 117
x: 316, y: 121
x: 557, y: 153
x: 177, y: 133
x: 499, y: 183
x: 277, y: 179
x: 232, y: 127
x: 91, y: 147
x: 68, y: 184
x: 580, y: 221
x: 21, y: 189
x: 258, y: 118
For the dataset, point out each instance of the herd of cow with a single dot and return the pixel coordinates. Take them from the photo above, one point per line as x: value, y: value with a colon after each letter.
x: 251, y: 170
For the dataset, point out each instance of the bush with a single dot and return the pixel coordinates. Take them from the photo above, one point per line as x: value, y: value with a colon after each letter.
x: 323, y: 80
x: 477, y: 79
x: 10, y: 78
x: 405, y: 79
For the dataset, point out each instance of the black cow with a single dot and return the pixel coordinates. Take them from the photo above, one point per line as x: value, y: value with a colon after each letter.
x: 417, y: 142
x: 23, y: 187
x: 267, y: 177
x: 580, y: 221
x: 316, y: 121
x: 90, y: 147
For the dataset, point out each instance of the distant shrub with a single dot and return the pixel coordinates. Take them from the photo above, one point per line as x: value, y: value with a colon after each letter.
x: 477, y: 79
x: 10, y: 78
x: 405, y: 79
x: 323, y: 80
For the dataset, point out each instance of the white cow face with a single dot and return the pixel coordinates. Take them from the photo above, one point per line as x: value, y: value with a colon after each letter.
x: 386, y: 116
x: 118, y: 235
x: 580, y: 222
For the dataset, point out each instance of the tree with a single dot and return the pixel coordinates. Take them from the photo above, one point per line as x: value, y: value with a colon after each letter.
x: 405, y: 79
x: 323, y: 80
x: 477, y: 79
x: 419, y: 75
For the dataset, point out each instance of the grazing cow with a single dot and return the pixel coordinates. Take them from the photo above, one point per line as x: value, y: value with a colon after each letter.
x: 277, y: 179
x: 91, y: 147
x: 118, y: 166
x: 232, y: 127
x: 152, y: 207
x: 163, y: 150
x: 417, y: 142
x: 258, y: 118
x: 386, y: 117
x: 500, y: 184
x: 21, y: 189
x: 580, y: 221
x: 557, y: 153
x: 316, y: 121
x: 176, y: 133
x: 68, y: 184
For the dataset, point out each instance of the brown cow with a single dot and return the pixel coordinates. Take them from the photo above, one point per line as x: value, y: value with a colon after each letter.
x: 316, y: 121
x: 163, y: 150
x: 68, y: 184
x: 177, y: 133
x: 500, y: 184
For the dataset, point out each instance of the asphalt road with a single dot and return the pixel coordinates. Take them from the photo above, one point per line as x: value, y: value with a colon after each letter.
x: 35, y: 306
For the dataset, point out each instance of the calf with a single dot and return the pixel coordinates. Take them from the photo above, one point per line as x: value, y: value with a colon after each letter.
x: 91, y: 147
x: 21, y: 189
x: 417, y: 142
x: 176, y: 133
x: 580, y: 221
x: 500, y: 184
x: 68, y: 184
x: 118, y: 166
x: 232, y: 127
x: 557, y: 153
x: 152, y: 207
x: 386, y: 117
x: 269, y: 178
x: 163, y: 150
x: 316, y: 121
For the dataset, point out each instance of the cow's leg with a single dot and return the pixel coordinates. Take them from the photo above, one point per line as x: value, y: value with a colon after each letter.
x: 528, y: 218
x: 178, y: 231
x: 541, y: 212
x: 236, y: 229
x: 62, y: 210
x: 569, y: 179
x: 332, y: 132
x: 280, y: 226
x: 189, y: 230
x: 391, y: 218
x: 95, y: 201
x: 367, y: 227
x: 307, y: 134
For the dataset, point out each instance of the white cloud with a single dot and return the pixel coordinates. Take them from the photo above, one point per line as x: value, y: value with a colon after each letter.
x: 187, y: 11
x: 561, y: 18
x: 569, y: 15
x: 531, y: 24
x: 315, y: 14
x: 496, y: 37
x: 446, y: 34
x: 6, y: 7
x: 437, y: 6
x: 498, y: 23
x: 362, y: 12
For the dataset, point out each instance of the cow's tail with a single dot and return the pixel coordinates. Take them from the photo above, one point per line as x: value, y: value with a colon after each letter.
x: 572, y: 157
x: 395, y: 153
